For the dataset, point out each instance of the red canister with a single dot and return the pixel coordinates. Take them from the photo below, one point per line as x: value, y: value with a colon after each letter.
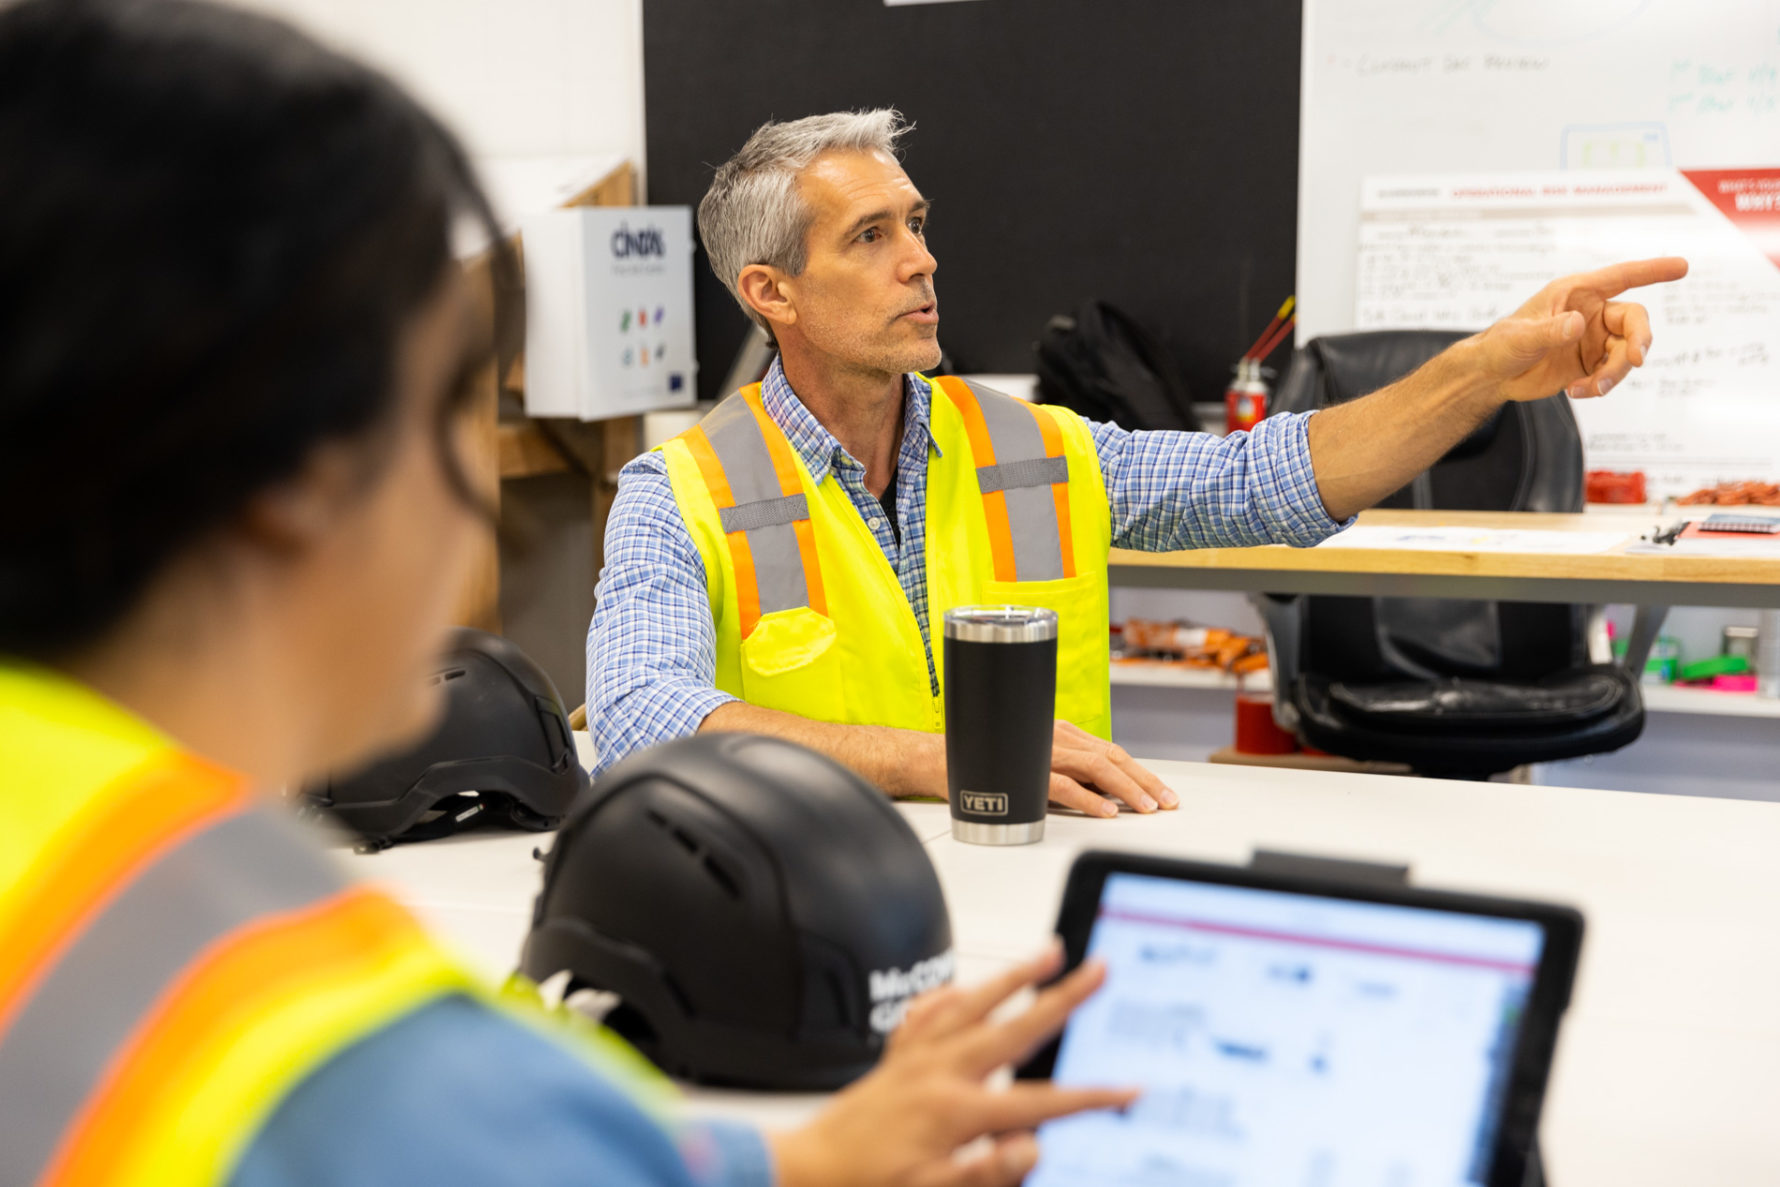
x: 1256, y: 731
x: 1245, y: 403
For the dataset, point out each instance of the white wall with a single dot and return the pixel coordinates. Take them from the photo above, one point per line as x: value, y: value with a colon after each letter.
x: 513, y: 77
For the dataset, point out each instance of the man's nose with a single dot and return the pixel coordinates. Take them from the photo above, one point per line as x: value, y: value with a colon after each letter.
x: 916, y: 259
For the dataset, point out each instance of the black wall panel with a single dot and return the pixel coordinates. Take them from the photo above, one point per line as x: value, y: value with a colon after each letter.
x: 1142, y: 151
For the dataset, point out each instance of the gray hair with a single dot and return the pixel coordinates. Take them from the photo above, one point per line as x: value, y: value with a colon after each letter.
x: 752, y: 213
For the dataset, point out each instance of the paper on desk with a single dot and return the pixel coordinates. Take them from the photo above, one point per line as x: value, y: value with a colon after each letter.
x: 1453, y: 539
x: 1732, y: 545
x: 1727, y: 545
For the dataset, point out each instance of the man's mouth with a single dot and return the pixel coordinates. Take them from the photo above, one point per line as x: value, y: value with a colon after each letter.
x: 927, y: 315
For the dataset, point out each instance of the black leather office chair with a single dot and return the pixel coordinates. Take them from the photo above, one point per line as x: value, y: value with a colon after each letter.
x: 1452, y: 688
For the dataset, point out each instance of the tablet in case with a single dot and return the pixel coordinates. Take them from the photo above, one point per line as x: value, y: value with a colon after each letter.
x: 1296, y: 1024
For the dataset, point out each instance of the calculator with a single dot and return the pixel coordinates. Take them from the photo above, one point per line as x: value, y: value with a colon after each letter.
x: 1754, y: 524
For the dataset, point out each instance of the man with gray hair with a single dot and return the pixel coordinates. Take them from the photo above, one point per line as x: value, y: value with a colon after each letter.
x: 779, y: 568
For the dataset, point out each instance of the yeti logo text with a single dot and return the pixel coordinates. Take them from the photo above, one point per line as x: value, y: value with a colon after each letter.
x: 891, y: 989
x: 647, y: 242
x: 985, y: 803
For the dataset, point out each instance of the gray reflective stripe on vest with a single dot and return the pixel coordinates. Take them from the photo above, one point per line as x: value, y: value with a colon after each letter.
x: 1042, y: 471
x: 104, y: 985
x: 761, y: 509
x: 765, y: 513
x: 1025, y: 474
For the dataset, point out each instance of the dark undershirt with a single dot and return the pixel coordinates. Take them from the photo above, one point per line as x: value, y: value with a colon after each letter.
x: 887, y: 501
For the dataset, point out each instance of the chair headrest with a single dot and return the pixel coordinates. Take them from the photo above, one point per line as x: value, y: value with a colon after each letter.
x: 1337, y: 368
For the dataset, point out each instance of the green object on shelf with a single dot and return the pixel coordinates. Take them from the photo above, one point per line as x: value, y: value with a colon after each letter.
x: 1664, y: 662
x: 1718, y: 665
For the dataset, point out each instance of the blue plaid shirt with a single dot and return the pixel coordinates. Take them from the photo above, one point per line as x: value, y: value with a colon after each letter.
x: 652, y: 647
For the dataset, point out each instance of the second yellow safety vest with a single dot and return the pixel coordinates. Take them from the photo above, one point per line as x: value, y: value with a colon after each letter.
x: 810, y: 617
x: 174, y: 957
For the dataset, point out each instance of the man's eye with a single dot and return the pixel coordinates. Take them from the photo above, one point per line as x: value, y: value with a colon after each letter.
x: 869, y: 235
x: 918, y: 226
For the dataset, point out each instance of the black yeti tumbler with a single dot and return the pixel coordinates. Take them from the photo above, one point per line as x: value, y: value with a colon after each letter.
x: 1001, y: 695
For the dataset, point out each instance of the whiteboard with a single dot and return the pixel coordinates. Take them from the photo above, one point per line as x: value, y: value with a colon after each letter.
x: 1453, y: 251
x: 1490, y: 86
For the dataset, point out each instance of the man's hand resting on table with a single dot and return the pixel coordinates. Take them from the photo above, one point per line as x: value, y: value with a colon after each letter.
x: 904, y: 1123
x: 1091, y: 775
x: 1088, y: 774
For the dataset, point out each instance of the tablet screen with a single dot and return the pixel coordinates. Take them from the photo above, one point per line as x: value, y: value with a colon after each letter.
x: 1290, y: 1039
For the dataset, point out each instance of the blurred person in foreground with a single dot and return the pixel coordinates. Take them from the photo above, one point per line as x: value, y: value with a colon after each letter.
x: 234, y: 353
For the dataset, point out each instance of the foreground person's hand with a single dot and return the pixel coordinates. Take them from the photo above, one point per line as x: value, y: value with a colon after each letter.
x: 903, y: 1124
x: 1089, y: 773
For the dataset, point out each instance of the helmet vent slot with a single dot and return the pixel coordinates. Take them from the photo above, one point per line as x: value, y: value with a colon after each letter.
x: 723, y: 877
x: 683, y: 838
x: 837, y: 993
x: 448, y: 674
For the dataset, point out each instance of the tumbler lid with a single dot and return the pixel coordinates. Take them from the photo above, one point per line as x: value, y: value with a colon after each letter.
x: 1001, y: 624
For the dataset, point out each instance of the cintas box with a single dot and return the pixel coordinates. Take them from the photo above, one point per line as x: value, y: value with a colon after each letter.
x: 608, y: 311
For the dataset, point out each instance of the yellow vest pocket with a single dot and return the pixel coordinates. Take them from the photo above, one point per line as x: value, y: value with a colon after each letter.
x: 790, y: 663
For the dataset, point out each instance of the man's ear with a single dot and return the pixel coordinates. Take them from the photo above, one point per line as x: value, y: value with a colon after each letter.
x: 299, y: 513
x: 767, y: 292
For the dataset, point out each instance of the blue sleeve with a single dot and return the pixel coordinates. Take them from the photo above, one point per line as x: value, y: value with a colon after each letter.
x: 1171, y: 490
x: 651, y: 648
x: 454, y: 1095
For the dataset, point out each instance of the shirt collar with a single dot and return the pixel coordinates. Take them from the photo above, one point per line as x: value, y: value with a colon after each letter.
x: 816, y: 445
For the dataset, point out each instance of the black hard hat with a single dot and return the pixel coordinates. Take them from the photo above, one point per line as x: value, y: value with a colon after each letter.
x: 762, y: 913
x: 502, y: 750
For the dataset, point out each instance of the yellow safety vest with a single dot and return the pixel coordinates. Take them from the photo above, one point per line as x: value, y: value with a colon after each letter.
x: 809, y: 615
x: 174, y: 955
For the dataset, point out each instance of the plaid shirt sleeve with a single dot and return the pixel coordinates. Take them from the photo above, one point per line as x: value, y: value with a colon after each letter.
x: 651, y: 648
x: 1173, y: 490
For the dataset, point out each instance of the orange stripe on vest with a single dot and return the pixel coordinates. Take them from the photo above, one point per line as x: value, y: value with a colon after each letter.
x: 982, y: 447
x: 777, y: 448
x: 242, y: 977
x: 710, y: 467
x: 124, y: 830
x: 785, y: 470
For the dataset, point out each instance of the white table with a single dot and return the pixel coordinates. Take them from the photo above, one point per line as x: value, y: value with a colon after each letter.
x: 1669, y: 1067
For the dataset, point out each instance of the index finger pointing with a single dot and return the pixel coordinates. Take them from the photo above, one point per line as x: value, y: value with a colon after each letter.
x: 1617, y: 278
x: 1024, y: 1106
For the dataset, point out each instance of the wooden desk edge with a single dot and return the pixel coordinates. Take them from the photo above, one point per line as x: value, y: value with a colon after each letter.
x: 1614, y: 566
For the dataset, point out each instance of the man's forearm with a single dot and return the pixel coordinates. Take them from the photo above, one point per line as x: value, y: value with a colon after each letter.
x: 902, y: 762
x: 1367, y: 448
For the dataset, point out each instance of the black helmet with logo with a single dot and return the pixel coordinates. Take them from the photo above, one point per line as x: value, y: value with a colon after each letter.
x: 761, y: 913
x: 502, y: 750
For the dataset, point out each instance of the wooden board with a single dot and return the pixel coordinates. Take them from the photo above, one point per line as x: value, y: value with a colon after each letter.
x: 1230, y: 756
x: 528, y: 451
x: 1737, y: 579
x: 524, y: 448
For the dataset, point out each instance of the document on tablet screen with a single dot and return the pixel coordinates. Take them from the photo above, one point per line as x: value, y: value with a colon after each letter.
x: 1289, y: 1040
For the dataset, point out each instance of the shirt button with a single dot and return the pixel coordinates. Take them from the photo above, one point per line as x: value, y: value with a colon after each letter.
x: 874, y: 523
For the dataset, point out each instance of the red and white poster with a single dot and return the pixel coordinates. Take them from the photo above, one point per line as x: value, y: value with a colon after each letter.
x: 1749, y: 198
x: 1460, y: 251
